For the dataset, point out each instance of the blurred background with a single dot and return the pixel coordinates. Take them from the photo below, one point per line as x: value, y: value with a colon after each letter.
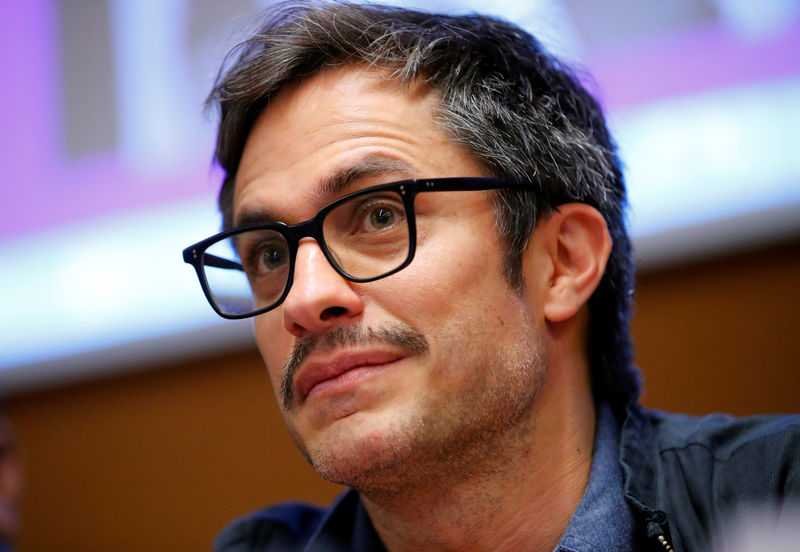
x: 143, y: 421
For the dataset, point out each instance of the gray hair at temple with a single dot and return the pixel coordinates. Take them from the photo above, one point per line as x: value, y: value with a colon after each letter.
x: 503, y: 98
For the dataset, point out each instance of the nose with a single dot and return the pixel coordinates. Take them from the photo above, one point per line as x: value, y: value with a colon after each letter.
x: 320, y: 298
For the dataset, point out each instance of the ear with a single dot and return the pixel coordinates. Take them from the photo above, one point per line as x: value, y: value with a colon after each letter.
x: 576, y: 245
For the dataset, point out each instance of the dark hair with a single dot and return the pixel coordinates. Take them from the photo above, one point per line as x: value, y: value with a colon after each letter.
x: 503, y: 97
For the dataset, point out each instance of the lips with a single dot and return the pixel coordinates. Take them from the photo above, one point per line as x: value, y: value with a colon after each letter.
x: 329, y: 374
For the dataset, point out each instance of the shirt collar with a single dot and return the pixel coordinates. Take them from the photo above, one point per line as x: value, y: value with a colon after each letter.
x: 602, y: 521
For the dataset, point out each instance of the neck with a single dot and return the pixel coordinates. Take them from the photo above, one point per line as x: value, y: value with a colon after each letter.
x: 519, y: 498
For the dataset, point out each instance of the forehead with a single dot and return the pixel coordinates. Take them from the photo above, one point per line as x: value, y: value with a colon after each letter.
x: 335, y: 120
x: 336, y: 110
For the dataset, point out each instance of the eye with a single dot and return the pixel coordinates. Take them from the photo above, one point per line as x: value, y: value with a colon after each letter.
x: 263, y: 254
x: 271, y: 258
x: 377, y: 214
x: 373, y: 216
x: 382, y: 217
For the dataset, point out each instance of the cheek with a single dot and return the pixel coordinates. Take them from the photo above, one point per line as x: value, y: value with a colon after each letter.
x: 274, y: 344
x: 447, y: 283
x: 455, y: 266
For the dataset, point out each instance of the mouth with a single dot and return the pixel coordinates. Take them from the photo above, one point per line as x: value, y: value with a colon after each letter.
x: 318, y: 362
x: 340, y: 373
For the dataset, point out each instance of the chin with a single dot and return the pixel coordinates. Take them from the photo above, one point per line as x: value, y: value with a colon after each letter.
x: 379, y: 458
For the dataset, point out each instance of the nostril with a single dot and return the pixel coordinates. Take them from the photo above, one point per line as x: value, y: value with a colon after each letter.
x: 332, y: 312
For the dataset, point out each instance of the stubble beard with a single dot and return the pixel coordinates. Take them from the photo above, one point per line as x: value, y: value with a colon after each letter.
x: 448, y: 438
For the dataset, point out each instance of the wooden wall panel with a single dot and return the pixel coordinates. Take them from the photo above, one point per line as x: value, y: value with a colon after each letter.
x: 160, y: 460
x: 722, y: 336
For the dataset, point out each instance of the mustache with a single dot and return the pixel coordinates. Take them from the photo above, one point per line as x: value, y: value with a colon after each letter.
x: 402, y: 336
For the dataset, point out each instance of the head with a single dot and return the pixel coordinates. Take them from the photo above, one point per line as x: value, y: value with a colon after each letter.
x: 500, y: 96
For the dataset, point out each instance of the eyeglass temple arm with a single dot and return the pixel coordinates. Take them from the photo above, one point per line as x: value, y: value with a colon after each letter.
x: 219, y: 262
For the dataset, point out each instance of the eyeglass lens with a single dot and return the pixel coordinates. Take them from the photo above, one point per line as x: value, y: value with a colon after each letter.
x: 366, y: 237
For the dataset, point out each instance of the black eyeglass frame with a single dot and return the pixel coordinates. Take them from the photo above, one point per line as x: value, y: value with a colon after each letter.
x: 196, y: 255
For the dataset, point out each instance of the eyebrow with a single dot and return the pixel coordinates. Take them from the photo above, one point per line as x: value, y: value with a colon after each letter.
x: 341, y: 181
x: 335, y: 185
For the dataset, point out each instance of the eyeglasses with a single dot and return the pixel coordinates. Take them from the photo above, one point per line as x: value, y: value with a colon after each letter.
x: 366, y: 235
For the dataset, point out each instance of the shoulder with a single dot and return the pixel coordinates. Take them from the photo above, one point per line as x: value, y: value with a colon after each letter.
x: 344, y: 526
x: 717, y: 460
x: 702, y: 471
x: 726, y: 437
x: 287, y: 526
x: 728, y: 460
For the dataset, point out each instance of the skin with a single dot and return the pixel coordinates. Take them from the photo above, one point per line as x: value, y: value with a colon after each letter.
x: 460, y: 443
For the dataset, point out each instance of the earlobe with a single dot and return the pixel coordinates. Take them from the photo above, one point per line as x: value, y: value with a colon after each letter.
x: 578, y: 245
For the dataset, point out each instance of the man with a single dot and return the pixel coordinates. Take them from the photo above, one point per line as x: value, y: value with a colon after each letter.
x: 424, y: 216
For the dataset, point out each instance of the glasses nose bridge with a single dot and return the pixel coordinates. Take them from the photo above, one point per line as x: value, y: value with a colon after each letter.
x: 311, y: 228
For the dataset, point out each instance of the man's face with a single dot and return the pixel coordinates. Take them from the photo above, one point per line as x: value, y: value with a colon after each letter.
x: 430, y: 364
